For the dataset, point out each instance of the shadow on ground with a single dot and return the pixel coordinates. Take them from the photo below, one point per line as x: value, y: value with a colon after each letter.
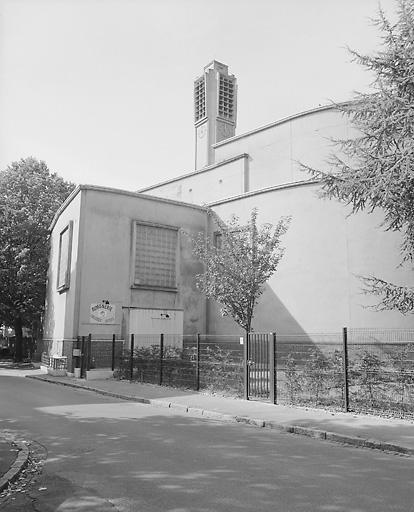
x: 162, y: 460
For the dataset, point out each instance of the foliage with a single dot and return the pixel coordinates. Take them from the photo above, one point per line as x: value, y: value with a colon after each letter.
x: 315, y: 373
x: 29, y: 197
x: 374, y: 169
x: 293, y: 378
x: 384, y: 384
x: 402, y: 369
x: 337, y: 371
x: 367, y: 371
x: 219, y: 371
x: 238, y: 263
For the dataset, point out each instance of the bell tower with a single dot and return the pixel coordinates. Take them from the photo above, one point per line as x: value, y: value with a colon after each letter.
x: 215, y: 109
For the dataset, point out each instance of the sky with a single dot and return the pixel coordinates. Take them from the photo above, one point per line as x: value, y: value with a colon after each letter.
x: 102, y: 90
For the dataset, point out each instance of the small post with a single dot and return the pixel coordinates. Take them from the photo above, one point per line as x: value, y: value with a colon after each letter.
x: 113, y: 352
x: 83, y: 361
x: 197, y: 368
x: 246, y: 366
x: 272, y: 368
x: 345, y: 368
x: 161, y: 355
x: 88, y: 366
x: 131, y: 359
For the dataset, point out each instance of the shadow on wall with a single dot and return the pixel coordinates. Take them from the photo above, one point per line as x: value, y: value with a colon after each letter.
x: 271, y: 315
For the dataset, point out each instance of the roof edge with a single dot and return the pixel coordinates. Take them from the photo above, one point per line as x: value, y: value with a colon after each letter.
x: 266, y: 190
x: 333, y: 106
x: 194, y: 173
x: 110, y: 190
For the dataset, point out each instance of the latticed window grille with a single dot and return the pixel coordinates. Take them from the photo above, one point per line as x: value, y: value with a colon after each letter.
x: 155, y: 256
x: 199, y: 99
x: 226, y: 102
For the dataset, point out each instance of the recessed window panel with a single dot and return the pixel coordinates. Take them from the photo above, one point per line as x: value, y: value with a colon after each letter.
x: 155, y: 256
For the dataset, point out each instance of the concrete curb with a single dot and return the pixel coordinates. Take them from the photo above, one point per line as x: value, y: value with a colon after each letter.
x: 291, y: 429
x: 18, y: 465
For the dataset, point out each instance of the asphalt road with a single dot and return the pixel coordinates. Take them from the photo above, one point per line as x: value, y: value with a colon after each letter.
x: 108, y: 455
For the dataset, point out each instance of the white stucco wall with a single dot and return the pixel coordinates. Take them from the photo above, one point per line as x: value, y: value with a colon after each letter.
x: 61, y: 306
x: 216, y: 182
x: 107, y: 253
x: 275, y: 150
x: 316, y: 288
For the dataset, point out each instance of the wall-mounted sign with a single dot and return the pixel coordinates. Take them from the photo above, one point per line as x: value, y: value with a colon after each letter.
x: 102, y: 313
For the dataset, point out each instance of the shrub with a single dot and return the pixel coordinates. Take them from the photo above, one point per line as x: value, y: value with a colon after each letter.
x: 367, y: 371
x: 316, y: 374
x: 402, y: 370
x: 220, y: 372
x: 293, y: 378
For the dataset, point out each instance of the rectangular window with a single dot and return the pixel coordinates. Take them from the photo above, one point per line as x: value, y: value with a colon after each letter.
x: 65, y: 248
x: 217, y: 239
x: 155, y: 256
x: 199, y: 99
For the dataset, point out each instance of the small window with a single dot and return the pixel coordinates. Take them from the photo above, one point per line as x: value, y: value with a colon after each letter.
x: 217, y: 239
x: 65, y: 248
x: 155, y: 256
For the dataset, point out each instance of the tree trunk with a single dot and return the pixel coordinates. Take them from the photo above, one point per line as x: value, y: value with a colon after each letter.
x: 18, y: 344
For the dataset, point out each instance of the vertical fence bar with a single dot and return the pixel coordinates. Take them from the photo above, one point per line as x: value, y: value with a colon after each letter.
x: 161, y: 356
x: 266, y: 365
x: 246, y: 367
x: 77, y: 359
x: 274, y: 342
x: 89, y: 345
x: 83, y: 359
x: 131, y: 359
x: 272, y: 368
x: 197, y: 368
x: 258, y: 365
x: 263, y: 384
x: 113, y: 352
x: 253, y: 365
x: 345, y: 368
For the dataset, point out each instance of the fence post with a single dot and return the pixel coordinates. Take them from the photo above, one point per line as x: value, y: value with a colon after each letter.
x: 197, y: 368
x: 272, y: 368
x: 82, y: 359
x: 113, y: 352
x: 131, y: 359
x: 88, y: 367
x: 345, y: 367
x: 76, y: 359
x: 246, y: 367
x: 161, y: 355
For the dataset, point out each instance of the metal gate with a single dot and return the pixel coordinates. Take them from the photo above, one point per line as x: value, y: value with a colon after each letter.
x: 260, y: 373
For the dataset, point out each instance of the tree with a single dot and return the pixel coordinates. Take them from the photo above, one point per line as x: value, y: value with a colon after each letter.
x: 238, y: 262
x: 29, y: 197
x: 375, y: 169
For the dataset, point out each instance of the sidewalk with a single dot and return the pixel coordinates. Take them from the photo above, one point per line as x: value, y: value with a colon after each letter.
x: 394, y: 435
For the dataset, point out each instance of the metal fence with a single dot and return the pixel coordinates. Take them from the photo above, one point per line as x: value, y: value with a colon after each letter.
x: 361, y: 370
x: 356, y: 369
x: 85, y: 352
x: 189, y: 361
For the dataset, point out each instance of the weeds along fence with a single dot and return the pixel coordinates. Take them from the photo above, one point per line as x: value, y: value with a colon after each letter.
x: 363, y: 370
x: 194, y: 362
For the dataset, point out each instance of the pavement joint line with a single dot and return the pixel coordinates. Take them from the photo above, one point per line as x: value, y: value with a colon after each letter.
x: 272, y: 424
x: 18, y: 465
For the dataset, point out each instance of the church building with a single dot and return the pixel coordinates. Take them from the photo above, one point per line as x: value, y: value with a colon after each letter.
x: 131, y: 251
